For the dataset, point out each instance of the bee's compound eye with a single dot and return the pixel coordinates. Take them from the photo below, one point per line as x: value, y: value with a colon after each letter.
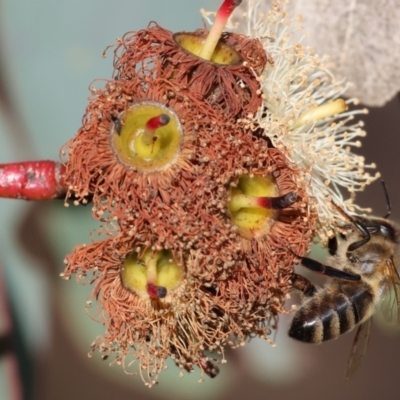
x: 385, y: 231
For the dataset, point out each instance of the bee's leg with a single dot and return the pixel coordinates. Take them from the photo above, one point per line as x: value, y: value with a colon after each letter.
x: 366, y: 237
x: 365, y: 230
x: 303, y: 285
x: 322, y: 269
x: 332, y: 245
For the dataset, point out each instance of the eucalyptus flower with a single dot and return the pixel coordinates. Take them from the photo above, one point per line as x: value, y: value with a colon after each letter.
x: 304, y: 115
x: 210, y: 176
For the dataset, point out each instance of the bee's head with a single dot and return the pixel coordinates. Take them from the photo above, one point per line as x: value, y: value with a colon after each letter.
x: 380, y: 227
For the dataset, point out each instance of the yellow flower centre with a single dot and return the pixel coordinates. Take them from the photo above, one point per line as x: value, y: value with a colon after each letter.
x: 148, y: 136
x: 154, y: 275
x: 193, y: 43
x: 255, y: 203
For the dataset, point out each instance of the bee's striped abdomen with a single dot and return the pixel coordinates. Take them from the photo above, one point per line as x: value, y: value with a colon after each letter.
x: 334, y: 311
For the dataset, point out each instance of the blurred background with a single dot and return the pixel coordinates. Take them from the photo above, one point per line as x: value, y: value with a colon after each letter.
x: 49, y: 53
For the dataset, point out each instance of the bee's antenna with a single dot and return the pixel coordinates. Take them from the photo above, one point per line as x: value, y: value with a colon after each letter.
x: 388, y: 205
x: 343, y: 212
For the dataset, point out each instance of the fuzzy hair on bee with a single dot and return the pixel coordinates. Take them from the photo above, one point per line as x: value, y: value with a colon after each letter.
x: 363, y: 266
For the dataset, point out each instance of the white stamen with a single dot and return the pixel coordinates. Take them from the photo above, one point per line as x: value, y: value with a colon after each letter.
x: 300, y: 81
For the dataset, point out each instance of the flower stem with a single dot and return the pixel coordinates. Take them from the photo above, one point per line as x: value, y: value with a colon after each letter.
x: 214, y: 35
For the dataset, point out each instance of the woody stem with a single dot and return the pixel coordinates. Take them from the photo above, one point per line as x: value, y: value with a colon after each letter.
x: 32, y: 180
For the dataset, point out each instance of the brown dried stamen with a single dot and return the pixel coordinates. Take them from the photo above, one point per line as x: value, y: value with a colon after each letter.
x: 225, y: 81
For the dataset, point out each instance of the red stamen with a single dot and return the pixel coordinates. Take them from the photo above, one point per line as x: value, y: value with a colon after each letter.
x: 32, y: 180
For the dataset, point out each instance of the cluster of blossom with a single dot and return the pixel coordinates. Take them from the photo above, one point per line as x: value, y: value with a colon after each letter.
x: 210, y: 176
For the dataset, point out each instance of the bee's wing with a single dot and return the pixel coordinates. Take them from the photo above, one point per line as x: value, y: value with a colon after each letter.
x: 390, y: 302
x: 358, y: 349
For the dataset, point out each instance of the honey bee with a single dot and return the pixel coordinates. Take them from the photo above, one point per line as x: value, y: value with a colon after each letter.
x: 363, y: 266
